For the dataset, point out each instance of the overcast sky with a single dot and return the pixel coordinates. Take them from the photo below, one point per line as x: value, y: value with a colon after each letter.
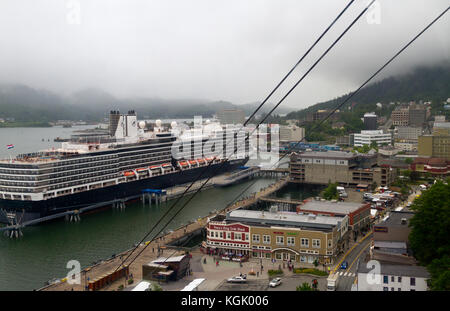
x: 234, y: 50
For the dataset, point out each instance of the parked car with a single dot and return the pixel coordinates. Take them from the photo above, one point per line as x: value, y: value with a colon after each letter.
x: 344, y: 265
x: 275, y: 282
x: 343, y: 195
x: 238, y: 279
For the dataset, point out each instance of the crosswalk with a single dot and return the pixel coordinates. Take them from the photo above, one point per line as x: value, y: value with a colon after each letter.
x: 350, y: 274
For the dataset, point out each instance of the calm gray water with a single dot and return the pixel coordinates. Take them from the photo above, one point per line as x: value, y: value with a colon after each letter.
x: 43, y: 252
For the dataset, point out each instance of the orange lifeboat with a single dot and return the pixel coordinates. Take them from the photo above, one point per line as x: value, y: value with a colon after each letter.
x: 183, y: 163
x: 201, y: 161
x: 192, y: 162
x: 128, y: 173
x: 166, y: 165
x: 154, y: 167
x: 141, y: 170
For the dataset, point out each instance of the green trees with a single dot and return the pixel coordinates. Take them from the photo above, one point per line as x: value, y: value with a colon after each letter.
x: 331, y: 193
x: 430, y: 233
x: 409, y: 160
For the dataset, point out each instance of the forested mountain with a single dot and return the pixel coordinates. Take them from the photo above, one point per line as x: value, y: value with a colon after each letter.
x: 26, y: 104
x: 424, y: 83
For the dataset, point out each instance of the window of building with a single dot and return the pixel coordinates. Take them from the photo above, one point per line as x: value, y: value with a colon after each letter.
x: 392, y: 279
x: 412, y: 281
x: 316, y: 243
x: 266, y: 239
x: 255, y: 238
x: 291, y: 241
x: 399, y: 289
x: 399, y: 279
x: 237, y: 236
x: 221, y: 234
x: 268, y: 255
x: 302, y: 258
x: 304, y: 242
x: 246, y: 236
x: 228, y: 235
x: 385, y: 279
x: 278, y: 256
x: 392, y: 289
x: 330, y: 243
x: 280, y: 240
x: 385, y: 289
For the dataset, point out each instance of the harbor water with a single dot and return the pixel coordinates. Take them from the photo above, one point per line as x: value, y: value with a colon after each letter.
x: 45, y: 250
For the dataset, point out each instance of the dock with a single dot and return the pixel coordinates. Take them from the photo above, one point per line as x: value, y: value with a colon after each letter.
x: 151, y: 252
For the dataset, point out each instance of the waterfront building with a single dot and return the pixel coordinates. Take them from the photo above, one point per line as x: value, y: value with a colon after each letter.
x: 166, y: 268
x: 358, y: 213
x: 346, y: 168
x: 286, y: 236
x: 367, y: 137
x: 231, y: 116
x: 391, y: 278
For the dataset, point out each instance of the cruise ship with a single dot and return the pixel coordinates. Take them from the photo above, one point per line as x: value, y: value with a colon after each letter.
x: 114, y: 164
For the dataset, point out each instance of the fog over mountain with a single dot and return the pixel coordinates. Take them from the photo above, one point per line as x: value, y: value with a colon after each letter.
x: 172, y: 54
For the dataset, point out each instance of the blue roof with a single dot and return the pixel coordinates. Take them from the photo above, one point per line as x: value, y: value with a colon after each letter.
x: 153, y: 191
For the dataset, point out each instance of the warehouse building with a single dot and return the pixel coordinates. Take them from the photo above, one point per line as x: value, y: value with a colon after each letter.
x: 346, y: 168
x: 358, y: 213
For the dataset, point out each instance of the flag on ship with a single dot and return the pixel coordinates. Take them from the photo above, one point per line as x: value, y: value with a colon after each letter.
x: 10, y: 146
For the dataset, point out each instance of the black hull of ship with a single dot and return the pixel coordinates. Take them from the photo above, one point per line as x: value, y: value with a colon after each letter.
x: 38, y: 209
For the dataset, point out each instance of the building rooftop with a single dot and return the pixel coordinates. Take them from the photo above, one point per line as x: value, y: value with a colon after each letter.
x: 390, y: 244
x: 170, y: 259
x: 328, y: 154
x: 284, y: 219
x: 442, y: 124
x: 396, y: 270
x: 395, y: 218
x: 331, y: 207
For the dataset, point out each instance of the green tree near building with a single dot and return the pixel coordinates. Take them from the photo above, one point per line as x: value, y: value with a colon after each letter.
x: 429, y: 237
x: 331, y: 193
